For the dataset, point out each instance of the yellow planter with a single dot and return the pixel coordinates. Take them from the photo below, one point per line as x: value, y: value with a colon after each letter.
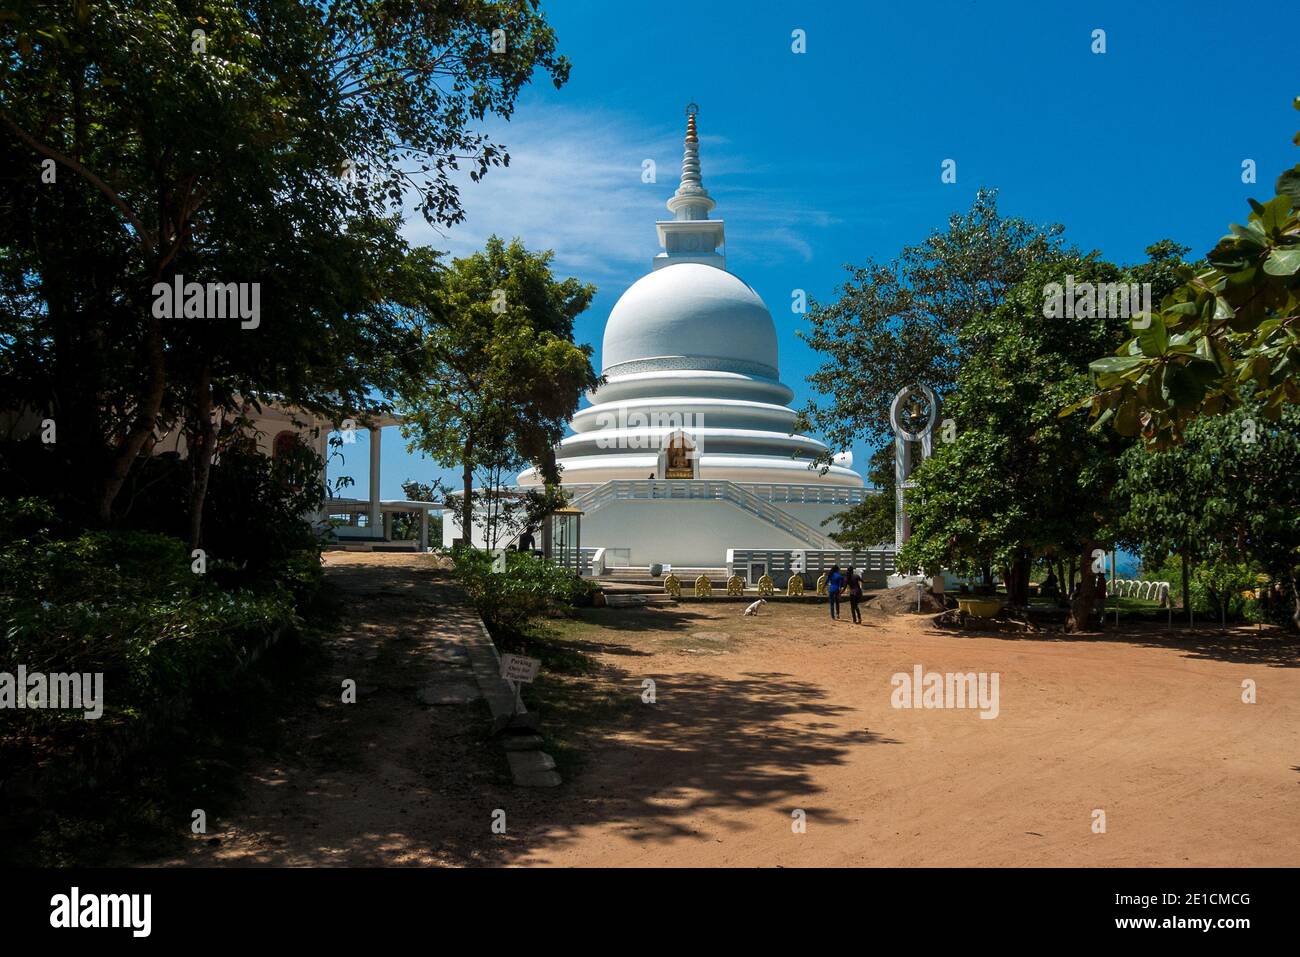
x: 980, y: 607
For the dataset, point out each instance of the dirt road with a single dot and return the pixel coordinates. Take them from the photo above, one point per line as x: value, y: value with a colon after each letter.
x: 796, y: 712
x: 756, y: 720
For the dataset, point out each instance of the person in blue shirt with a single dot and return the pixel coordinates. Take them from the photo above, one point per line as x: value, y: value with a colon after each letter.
x: 834, y: 584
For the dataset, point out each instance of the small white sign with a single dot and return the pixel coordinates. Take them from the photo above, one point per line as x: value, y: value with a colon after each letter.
x: 517, y: 668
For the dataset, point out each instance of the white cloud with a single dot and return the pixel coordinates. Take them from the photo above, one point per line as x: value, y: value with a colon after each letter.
x: 574, y: 186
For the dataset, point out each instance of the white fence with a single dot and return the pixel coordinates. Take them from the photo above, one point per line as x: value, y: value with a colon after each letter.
x: 875, y: 564
x: 796, y: 494
x: 1146, y: 590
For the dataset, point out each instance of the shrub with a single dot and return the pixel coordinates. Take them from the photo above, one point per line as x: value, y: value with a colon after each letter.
x: 531, y: 588
x: 127, y: 603
x: 255, y: 513
x: 1214, y: 587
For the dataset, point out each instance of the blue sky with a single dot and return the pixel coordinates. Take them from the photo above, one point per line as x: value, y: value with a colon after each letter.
x: 830, y: 156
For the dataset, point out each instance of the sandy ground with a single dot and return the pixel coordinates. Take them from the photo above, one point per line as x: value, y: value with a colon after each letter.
x: 757, y: 719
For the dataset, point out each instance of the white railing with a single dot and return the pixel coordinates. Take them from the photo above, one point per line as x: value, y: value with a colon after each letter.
x: 1132, y: 588
x: 790, y: 494
x: 811, y: 494
x: 873, y: 563
x: 645, y: 489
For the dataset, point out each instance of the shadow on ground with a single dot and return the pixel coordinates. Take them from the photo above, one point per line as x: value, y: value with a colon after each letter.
x: 388, y: 781
x: 708, y: 744
x: 1241, y: 644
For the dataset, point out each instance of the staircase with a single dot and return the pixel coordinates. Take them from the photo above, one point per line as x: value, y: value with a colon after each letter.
x: 627, y: 489
x: 637, y: 599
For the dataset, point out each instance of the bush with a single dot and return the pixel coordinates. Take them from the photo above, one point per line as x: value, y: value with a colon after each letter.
x: 255, y: 511
x: 531, y: 588
x: 127, y: 604
x: 1214, y: 587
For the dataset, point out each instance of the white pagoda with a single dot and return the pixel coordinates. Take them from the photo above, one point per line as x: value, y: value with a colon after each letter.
x: 689, y: 449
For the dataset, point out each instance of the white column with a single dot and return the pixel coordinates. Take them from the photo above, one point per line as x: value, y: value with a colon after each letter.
x: 902, y: 471
x: 375, y: 433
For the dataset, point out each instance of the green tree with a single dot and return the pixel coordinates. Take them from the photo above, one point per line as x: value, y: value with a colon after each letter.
x: 249, y: 141
x: 1018, y: 482
x: 1228, y: 330
x: 900, y: 322
x: 1224, y: 497
x: 498, y: 375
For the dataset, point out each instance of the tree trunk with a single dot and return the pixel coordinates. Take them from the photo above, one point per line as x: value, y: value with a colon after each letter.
x: 1018, y: 579
x: 144, y: 425
x: 467, y: 502
x: 200, y: 453
x: 1083, y: 604
x: 1295, y: 602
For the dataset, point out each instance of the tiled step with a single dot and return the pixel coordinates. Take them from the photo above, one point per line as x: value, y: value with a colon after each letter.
x: 637, y: 600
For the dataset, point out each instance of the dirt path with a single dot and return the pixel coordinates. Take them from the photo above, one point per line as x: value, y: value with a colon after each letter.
x: 388, y: 780
x: 754, y: 719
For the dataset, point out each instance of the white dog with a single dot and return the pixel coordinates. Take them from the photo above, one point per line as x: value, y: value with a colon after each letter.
x: 753, y: 609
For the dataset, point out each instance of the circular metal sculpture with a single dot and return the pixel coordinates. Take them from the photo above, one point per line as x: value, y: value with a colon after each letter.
x: 912, y: 416
x: 914, y: 412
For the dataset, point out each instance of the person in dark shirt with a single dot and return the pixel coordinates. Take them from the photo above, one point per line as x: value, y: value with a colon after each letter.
x: 834, y: 583
x: 855, y: 594
x: 526, y: 541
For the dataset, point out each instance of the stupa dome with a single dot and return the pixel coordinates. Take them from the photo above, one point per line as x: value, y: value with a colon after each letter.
x: 690, y: 316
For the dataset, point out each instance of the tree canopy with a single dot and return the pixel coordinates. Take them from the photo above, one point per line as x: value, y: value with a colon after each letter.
x: 497, y: 375
x: 267, y: 142
x: 1017, y: 482
x: 1225, y: 331
x: 1227, y: 494
x: 900, y: 322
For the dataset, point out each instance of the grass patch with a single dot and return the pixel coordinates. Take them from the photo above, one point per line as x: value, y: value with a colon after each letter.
x: 573, y: 695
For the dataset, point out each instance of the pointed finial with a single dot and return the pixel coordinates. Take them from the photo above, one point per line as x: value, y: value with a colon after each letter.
x: 689, y: 236
x: 691, y: 183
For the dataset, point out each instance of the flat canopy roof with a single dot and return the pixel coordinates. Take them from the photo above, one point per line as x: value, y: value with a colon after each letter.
x: 390, y: 503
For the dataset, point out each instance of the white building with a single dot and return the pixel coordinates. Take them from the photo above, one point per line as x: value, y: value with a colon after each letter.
x: 272, y: 427
x: 690, y: 448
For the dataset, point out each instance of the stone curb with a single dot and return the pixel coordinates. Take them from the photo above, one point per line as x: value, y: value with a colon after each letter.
x: 529, y: 766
